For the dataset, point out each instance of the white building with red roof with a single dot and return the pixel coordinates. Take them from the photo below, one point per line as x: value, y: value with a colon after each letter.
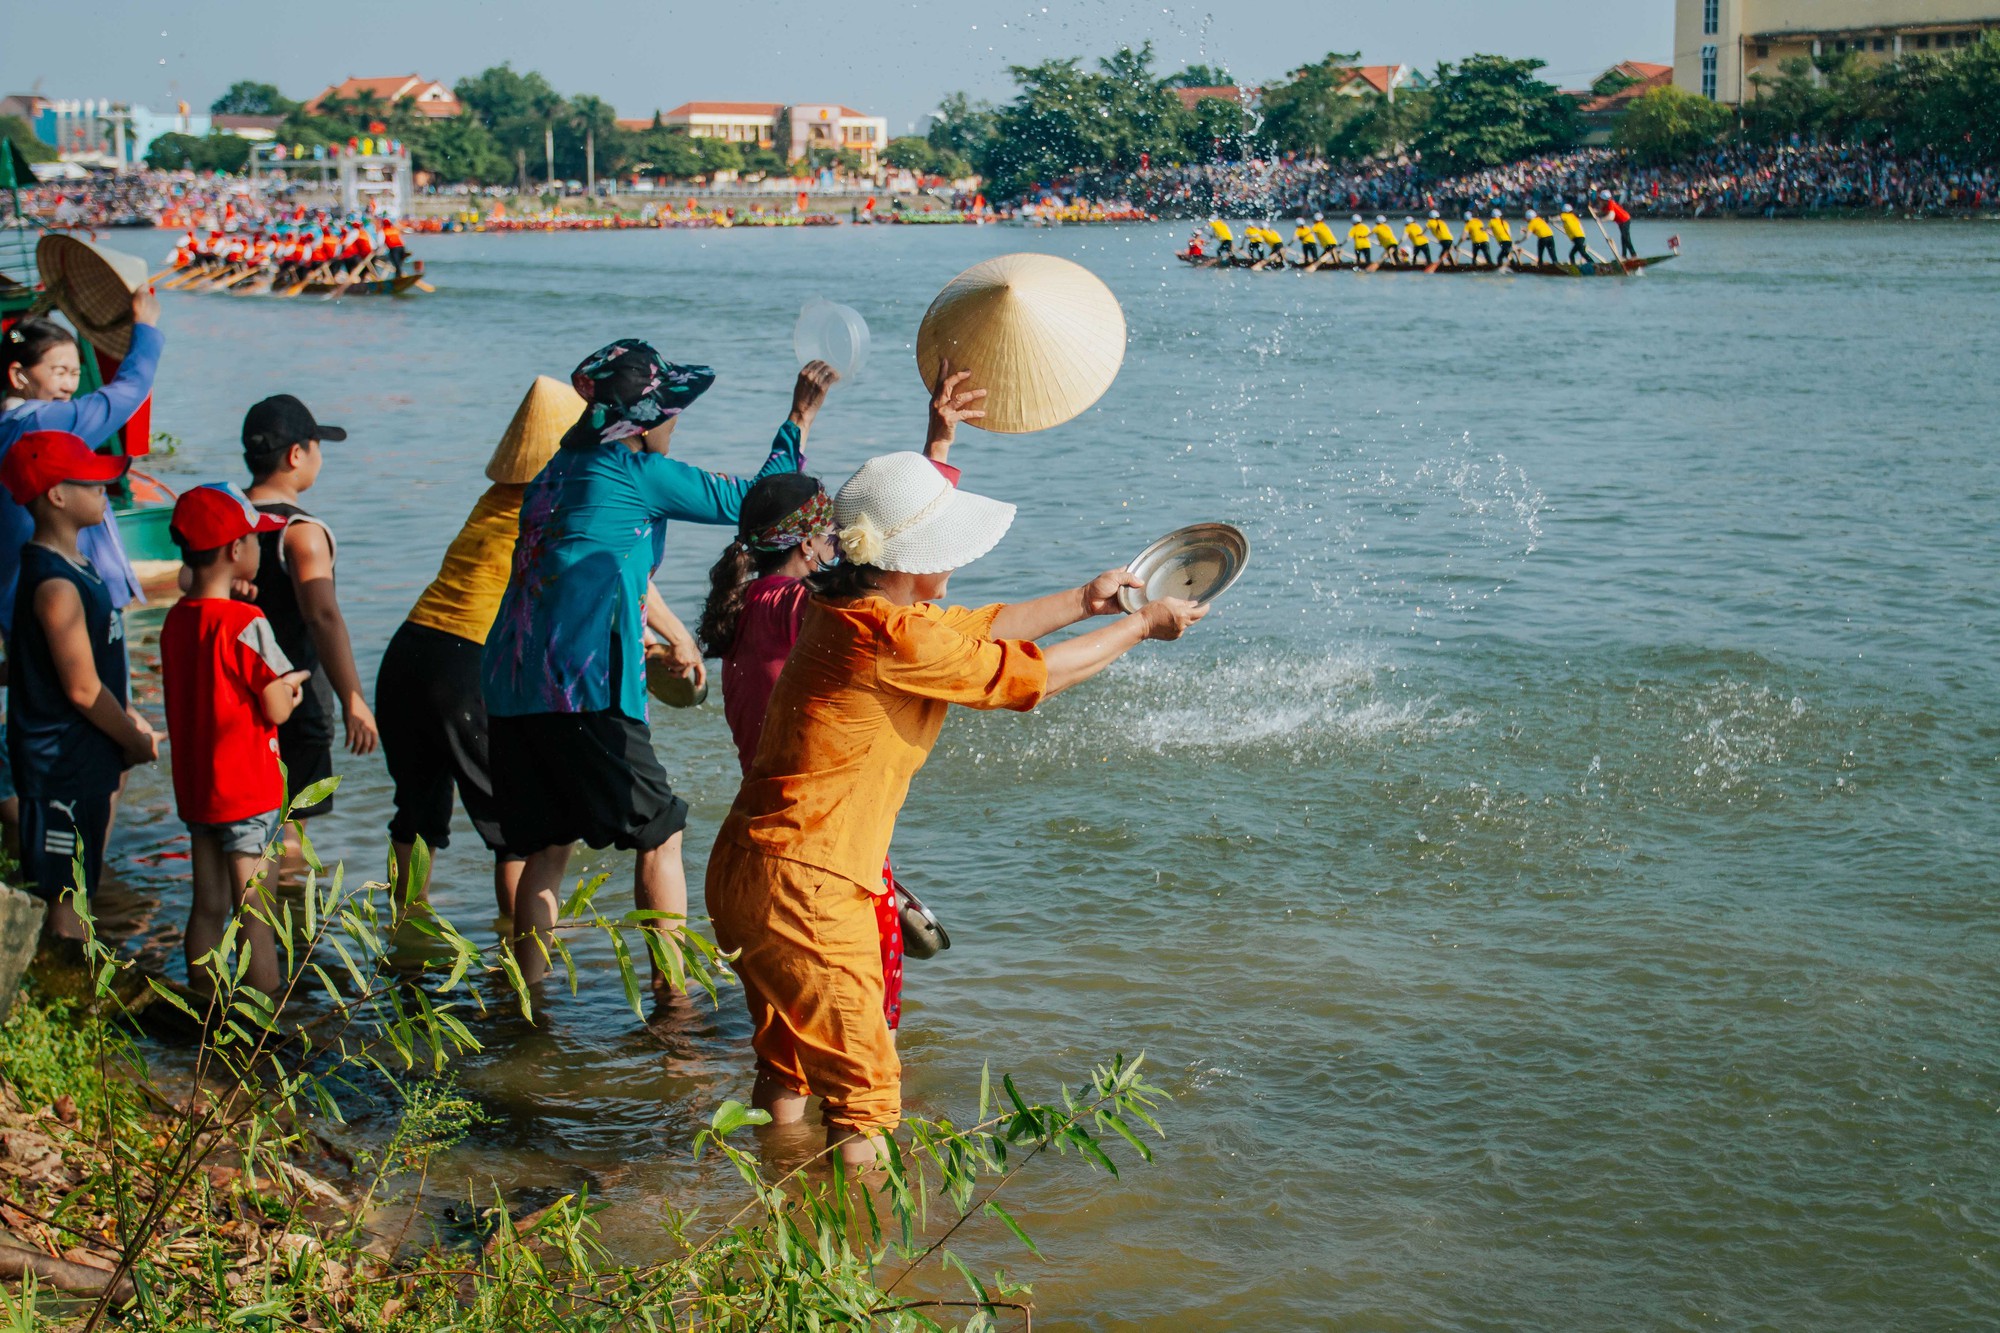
x: 434, y: 100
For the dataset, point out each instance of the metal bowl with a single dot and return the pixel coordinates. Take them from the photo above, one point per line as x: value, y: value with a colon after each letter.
x: 1197, y: 562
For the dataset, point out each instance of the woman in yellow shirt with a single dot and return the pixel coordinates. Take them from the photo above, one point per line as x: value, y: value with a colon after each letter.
x: 1572, y: 225
x: 1362, y: 237
x: 855, y: 712
x: 429, y: 704
x: 1477, y: 239
x: 1420, y: 241
x: 1498, y: 226
x: 1545, y: 237
x: 1447, y: 247
x: 1385, y: 236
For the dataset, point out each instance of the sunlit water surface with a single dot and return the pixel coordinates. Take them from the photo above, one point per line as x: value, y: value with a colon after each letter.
x: 1555, y: 886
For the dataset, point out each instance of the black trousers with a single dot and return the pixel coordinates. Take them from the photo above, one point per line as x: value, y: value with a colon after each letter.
x: 1545, y: 249
x: 1579, y: 253
x: 433, y: 719
x: 1625, y: 246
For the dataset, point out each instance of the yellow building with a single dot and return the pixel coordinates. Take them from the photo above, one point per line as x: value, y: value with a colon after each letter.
x: 794, y: 129
x: 1719, y: 45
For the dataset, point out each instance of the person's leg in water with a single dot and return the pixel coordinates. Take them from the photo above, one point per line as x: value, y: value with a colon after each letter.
x: 537, y: 900
x: 659, y: 884
x: 223, y: 883
x: 506, y: 877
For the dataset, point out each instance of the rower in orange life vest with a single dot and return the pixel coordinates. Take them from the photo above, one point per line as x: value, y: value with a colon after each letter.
x: 355, y: 250
x: 1607, y: 207
x: 392, y: 244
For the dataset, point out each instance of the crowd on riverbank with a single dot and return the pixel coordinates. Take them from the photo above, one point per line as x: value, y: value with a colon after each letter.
x: 1728, y: 182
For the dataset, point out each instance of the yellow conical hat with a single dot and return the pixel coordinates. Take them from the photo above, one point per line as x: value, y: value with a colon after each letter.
x: 536, y: 431
x: 1043, y: 336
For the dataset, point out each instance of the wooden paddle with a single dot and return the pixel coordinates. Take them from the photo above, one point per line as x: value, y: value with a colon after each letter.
x: 205, y: 281
x: 304, y: 282
x: 1608, y: 246
x: 423, y: 286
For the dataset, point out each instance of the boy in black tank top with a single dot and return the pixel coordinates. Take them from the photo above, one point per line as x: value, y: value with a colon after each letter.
x: 72, y: 733
x: 281, y: 446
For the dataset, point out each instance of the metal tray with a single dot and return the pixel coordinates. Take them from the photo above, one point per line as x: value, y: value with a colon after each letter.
x: 1197, y: 562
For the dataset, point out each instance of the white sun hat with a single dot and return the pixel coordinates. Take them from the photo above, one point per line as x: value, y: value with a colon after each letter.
x: 899, y: 513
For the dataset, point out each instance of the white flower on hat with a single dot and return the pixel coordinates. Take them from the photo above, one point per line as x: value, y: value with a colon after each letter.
x: 861, y: 541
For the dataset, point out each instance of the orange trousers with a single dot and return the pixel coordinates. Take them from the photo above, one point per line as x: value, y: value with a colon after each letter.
x: 811, y: 968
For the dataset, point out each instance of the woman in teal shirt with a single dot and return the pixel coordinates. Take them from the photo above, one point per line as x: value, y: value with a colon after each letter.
x: 564, y: 669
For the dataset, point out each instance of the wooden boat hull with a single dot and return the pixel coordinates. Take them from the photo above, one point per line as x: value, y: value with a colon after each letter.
x: 372, y: 287
x: 262, y: 286
x: 1613, y: 269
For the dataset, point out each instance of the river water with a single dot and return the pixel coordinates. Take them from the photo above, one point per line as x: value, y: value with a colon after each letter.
x: 1556, y: 886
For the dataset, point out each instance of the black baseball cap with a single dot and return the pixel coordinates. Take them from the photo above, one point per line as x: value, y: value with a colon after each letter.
x: 278, y: 423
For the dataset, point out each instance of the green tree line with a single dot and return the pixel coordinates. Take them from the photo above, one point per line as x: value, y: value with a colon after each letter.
x: 1946, y: 103
x: 1069, y: 117
x: 517, y: 129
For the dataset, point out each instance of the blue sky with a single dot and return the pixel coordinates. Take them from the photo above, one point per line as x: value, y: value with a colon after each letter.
x: 889, y: 57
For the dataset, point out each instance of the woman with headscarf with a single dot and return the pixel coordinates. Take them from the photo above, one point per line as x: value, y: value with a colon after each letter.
x: 757, y: 605
x: 797, y: 867
x: 564, y: 668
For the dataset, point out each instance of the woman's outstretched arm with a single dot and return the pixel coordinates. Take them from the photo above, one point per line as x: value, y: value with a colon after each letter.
x: 1079, y: 659
x: 1045, y: 615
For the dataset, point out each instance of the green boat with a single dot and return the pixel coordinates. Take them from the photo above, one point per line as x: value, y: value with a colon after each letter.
x: 143, y: 504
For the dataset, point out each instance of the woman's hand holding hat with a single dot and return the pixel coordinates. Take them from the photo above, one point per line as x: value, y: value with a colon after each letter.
x: 145, y: 306
x: 949, y: 406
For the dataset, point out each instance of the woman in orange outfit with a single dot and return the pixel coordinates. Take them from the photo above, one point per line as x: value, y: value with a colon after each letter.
x: 860, y: 702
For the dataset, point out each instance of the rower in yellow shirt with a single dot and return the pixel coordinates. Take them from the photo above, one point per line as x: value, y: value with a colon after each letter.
x: 1302, y: 232
x: 1385, y: 236
x: 1420, y: 241
x: 1498, y: 226
x: 1572, y: 226
x: 1545, y: 237
x: 1447, y: 247
x: 1274, y: 245
x: 1362, y: 237
x: 1225, y: 240
x: 1477, y: 239
x: 1329, y: 244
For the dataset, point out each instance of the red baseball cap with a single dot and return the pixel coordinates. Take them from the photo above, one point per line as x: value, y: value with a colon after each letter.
x: 210, y: 516
x: 43, y: 459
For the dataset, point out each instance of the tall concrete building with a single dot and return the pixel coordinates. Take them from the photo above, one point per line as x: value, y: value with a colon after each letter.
x: 1721, y: 45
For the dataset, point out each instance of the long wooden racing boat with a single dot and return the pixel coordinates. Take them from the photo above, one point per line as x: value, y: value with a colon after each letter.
x: 1618, y: 268
x: 240, y: 281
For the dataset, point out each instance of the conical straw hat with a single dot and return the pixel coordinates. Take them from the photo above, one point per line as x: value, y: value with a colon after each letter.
x: 1043, y: 336
x: 93, y: 286
x: 536, y: 431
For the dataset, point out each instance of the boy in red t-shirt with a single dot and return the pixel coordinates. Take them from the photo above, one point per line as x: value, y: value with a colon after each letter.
x: 228, y: 685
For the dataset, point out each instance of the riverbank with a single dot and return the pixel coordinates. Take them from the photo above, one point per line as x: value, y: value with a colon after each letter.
x: 232, y: 1190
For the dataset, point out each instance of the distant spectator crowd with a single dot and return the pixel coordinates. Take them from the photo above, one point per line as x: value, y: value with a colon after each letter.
x: 1735, y: 181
